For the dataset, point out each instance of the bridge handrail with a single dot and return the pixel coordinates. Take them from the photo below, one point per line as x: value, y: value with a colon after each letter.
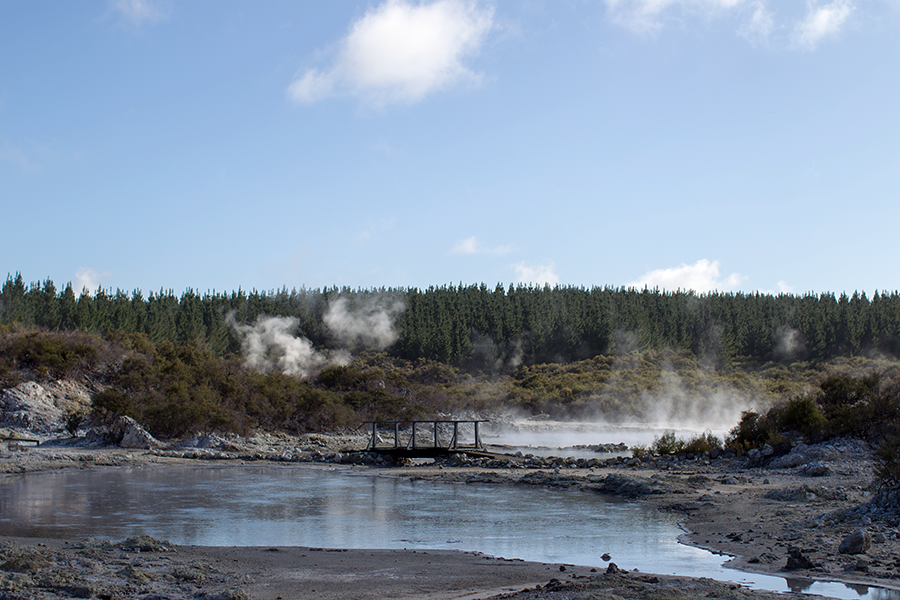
x: 411, y: 443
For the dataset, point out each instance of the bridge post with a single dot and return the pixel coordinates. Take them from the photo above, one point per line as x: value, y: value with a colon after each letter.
x: 412, y: 437
x: 455, y: 439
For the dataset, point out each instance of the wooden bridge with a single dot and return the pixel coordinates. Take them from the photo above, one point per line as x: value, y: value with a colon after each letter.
x: 422, y: 439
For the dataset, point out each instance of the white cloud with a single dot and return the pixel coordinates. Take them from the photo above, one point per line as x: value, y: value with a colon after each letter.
x: 88, y: 279
x: 471, y: 245
x: 822, y: 22
x: 399, y: 52
x: 537, y: 274
x: 138, y: 11
x: 702, y: 276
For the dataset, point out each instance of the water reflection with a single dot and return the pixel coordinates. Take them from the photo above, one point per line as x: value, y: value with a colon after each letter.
x: 307, y: 506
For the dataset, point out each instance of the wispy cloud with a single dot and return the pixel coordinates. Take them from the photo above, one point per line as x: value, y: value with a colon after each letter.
x: 822, y: 22
x: 471, y: 245
x: 372, y: 233
x: 139, y: 11
x: 536, y: 274
x: 88, y: 279
x: 14, y: 155
x: 759, y: 26
x: 399, y: 52
x: 702, y: 276
x: 644, y: 15
x: 759, y: 19
x: 783, y: 288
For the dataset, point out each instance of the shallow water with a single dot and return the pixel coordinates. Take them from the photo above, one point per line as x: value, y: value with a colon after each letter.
x: 334, y: 508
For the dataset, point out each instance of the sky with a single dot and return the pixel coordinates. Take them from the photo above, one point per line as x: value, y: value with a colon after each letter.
x: 728, y: 145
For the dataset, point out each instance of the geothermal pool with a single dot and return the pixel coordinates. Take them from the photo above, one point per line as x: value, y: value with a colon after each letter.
x: 307, y: 505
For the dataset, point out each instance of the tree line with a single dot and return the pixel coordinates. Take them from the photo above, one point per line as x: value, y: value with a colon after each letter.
x: 479, y: 327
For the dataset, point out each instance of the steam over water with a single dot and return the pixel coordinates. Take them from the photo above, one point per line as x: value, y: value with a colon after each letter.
x: 525, y: 434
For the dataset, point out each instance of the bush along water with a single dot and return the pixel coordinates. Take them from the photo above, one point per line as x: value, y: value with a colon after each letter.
x: 866, y: 408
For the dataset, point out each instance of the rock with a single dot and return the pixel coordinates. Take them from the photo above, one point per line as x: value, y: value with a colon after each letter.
x: 42, y: 407
x: 612, y: 569
x: 816, y: 469
x: 856, y: 543
x: 133, y: 435
x: 30, y: 406
x: 622, y: 485
x: 605, y: 557
x: 796, y: 560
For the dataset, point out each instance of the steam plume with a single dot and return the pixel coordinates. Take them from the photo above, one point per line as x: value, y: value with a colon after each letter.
x: 788, y: 342
x: 271, y: 344
x: 274, y: 344
x: 369, y: 324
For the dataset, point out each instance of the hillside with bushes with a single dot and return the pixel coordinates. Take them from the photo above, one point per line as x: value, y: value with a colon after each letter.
x: 775, y: 369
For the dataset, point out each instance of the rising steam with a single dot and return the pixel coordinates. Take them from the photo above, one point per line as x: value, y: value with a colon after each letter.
x: 709, y: 406
x: 368, y: 324
x: 272, y: 344
x: 275, y: 344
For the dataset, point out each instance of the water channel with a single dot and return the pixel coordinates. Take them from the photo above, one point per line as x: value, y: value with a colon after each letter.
x: 314, y: 506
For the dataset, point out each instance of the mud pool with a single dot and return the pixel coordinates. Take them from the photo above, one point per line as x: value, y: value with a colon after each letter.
x: 341, y: 508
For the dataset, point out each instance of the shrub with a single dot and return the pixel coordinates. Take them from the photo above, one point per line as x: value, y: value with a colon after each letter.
x: 705, y: 442
x: 846, y: 403
x: 755, y: 431
x: 887, y: 468
x: 48, y: 354
x: 667, y: 443
x: 73, y: 419
x: 802, y: 414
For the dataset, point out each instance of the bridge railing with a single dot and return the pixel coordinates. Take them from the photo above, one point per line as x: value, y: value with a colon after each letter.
x: 412, y: 442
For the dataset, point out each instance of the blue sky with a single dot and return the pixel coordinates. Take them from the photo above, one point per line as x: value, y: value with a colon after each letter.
x: 737, y: 145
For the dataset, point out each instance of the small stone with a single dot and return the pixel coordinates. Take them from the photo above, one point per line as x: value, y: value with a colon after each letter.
x: 816, y: 469
x: 856, y: 543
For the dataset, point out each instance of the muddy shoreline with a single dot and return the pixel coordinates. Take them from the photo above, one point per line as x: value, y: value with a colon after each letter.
x: 758, y: 514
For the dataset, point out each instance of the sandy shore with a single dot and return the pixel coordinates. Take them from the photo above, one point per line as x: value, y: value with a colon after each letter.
x: 759, y: 515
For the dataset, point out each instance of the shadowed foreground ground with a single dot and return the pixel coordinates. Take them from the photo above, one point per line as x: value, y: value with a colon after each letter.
x: 145, y: 568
